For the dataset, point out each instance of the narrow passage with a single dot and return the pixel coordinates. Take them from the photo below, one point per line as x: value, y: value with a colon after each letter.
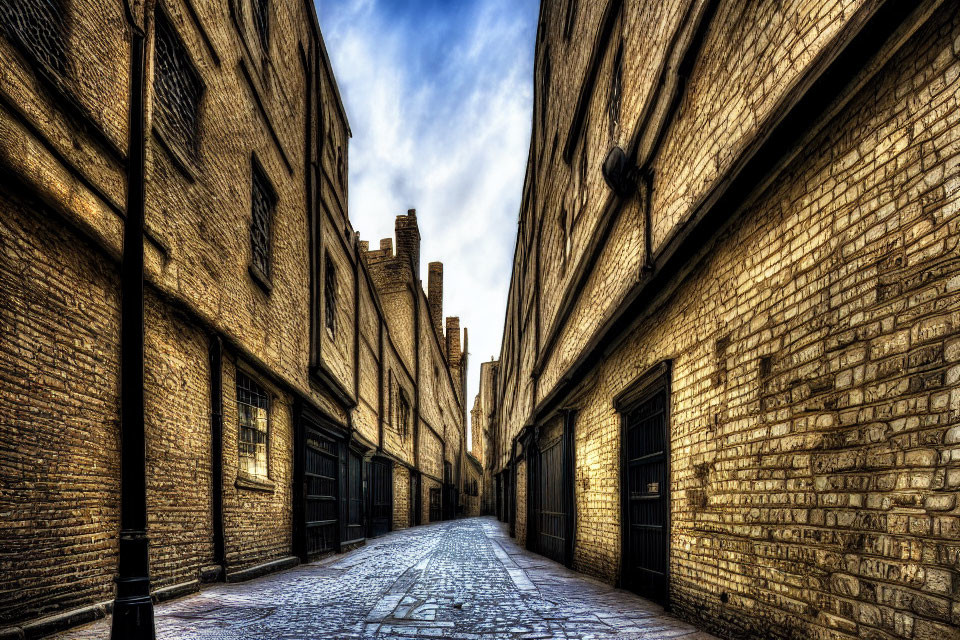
x: 459, y: 579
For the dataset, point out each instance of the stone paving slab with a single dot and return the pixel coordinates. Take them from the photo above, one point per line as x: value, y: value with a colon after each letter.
x: 463, y: 579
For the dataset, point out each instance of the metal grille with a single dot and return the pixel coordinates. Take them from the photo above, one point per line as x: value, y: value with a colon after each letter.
x: 381, y: 481
x: 261, y: 19
x: 322, y: 509
x: 330, y: 294
x: 37, y: 26
x: 261, y: 204
x: 178, y: 87
x: 252, y: 409
x: 551, y: 512
x: 616, y: 92
x: 404, y: 421
x: 646, y: 496
x: 435, y: 511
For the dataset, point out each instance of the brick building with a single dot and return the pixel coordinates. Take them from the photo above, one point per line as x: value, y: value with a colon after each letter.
x: 482, y: 424
x: 728, y: 372
x: 299, y: 397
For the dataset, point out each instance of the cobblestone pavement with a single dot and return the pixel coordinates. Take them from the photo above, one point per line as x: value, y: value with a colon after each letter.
x: 461, y: 579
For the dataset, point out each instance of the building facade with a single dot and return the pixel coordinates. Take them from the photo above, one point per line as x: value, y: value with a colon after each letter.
x: 727, y: 377
x: 296, y: 401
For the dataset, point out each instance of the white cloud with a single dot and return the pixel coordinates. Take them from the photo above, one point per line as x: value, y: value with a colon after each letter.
x: 440, y: 108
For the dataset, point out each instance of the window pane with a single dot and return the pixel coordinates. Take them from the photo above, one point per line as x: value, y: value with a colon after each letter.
x: 252, y: 412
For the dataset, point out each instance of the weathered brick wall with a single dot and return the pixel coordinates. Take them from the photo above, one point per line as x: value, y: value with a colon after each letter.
x: 521, y: 503
x: 431, y: 452
x: 177, y: 403
x: 811, y: 416
x: 258, y: 517
x: 401, y: 497
x: 395, y: 440
x: 59, y: 329
x: 813, y: 470
x: 62, y: 142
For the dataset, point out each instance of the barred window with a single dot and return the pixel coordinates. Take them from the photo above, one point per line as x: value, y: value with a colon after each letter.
x: 330, y: 294
x: 178, y: 87
x: 36, y: 27
x: 616, y: 92
x: 261, y: 20
x: 262, y: 203
x: 253, y: 410
x: 403, y: 423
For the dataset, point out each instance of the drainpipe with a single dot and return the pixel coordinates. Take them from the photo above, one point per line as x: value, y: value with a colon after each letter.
x: 216, y: 451
x: 133, y: 608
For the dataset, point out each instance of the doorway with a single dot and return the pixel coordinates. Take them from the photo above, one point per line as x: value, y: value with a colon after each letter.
x: 645, y: 488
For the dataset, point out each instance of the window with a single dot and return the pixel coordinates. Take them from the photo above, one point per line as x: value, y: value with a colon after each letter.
x: 616, y: 92
x: 340, y: 177
x: 582, y: 177
x: 261, y: 20
x: 178, y: 87
x: 570, y: 18
x: 253, y: 413
x: 545, y: 93
x: 36, y: 27
x: 262, y: 203
x: 403, y: 419
x: 330, y: 295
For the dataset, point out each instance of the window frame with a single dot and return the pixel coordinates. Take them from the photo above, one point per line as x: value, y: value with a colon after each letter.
x: 261, y: 277
x: 242, y: 472
x: 184, y: 152
x: 331, y: 287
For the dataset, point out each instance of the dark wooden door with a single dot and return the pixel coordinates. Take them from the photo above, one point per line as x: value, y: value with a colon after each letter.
x: 550, y: 508
x: 320, y: 495
x: 354, y: 498
x: 646, y: 495
x: 381, y: 497
x: 436, y: 510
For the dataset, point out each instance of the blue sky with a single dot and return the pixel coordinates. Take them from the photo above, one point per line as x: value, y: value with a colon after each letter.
x: 439, y: 97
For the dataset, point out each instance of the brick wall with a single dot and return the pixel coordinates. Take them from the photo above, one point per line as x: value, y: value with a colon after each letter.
x: 812, y: 463
x: 520, y: 526
x: 177, y: 403
x: 401, y: 497
x: 59, y: 313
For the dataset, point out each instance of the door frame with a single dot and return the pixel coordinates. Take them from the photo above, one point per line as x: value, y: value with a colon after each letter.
x: 309, y: 419
x: 387, y: 463
x: 656, y: 379
x: 568, y: 489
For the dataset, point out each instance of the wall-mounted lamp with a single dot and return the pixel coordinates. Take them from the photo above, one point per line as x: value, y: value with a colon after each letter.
x: 619, y: 173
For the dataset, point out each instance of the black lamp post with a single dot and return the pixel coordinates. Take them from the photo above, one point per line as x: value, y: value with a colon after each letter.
x: 133, y: 608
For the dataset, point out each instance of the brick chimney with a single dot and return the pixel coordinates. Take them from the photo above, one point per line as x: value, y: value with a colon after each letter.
x: 435, y: 297
x: 408, y: 240
x: 453, y: 341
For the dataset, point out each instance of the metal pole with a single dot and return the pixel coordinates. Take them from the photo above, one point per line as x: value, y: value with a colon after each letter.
x: 133, y: 608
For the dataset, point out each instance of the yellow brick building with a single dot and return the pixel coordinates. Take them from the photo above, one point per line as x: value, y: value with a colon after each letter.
x: 295, y: 405
x: 727, y: 377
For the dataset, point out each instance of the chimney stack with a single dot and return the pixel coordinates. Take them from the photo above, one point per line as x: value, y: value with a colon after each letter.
x: 408, y: 240
x: 435, y: 297
x: 453, y: 341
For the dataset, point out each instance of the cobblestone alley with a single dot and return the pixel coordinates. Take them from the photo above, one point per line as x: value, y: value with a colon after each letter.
x: 457, y: 579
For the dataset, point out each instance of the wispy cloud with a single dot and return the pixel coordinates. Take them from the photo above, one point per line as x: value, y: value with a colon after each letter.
x: 439, y: 97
